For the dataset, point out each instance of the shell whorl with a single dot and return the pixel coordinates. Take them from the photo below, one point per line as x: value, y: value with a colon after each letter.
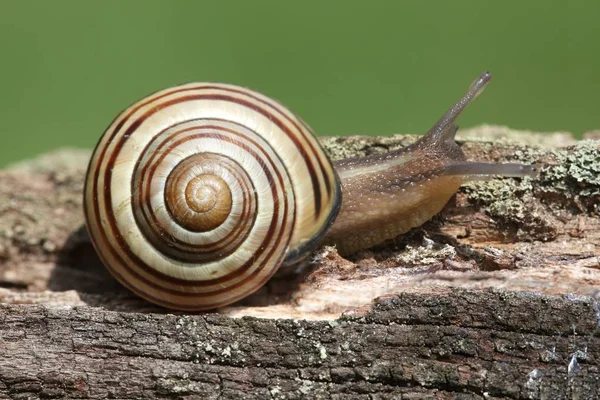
x: 196, y: 195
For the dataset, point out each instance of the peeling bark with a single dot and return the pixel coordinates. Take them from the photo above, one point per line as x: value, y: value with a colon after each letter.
x: 496, y: 297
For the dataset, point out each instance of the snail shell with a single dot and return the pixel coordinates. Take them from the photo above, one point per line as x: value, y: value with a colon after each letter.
x: 197, y: 194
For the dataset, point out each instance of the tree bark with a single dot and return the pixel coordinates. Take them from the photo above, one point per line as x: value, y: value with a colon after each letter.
x: 455, y: 344
x: 494, y: 298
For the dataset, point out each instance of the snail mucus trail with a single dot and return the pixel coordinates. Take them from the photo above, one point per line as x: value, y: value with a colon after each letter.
x: 196, y: 195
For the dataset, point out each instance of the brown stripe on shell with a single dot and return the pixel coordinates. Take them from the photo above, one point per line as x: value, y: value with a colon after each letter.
x: 328, y: 184
x: 188, y: 283
x: 286, y: 113
x: 194, y: 306
x: 155, y: 223
x: 148, y: 269
x: 273, y: 105
x: 163, y: 154
x: 153, y: 165
x: 198, y: 252
x: 135, y: 124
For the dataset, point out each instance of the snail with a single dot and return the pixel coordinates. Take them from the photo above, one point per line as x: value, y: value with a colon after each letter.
x: 196, y: 195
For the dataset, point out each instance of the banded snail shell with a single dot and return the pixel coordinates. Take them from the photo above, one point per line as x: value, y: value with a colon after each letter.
x: 196, y: 195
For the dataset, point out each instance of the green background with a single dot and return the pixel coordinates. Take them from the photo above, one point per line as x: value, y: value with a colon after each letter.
x: 346, y: 67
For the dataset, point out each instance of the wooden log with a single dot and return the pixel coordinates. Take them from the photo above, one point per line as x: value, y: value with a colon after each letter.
x: 454, y: 344
x: 495, y: 298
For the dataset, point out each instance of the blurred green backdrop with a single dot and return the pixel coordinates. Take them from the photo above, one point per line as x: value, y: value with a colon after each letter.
x: 346, y: 66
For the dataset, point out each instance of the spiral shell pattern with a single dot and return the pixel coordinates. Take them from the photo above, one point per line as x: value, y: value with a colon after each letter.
x: 196, y: 195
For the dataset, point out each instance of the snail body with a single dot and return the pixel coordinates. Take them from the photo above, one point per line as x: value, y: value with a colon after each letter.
x: 196, y: 195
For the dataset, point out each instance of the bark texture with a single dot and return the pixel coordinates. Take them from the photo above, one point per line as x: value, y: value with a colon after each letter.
x: 451, y: 344
x: 496, y: 297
